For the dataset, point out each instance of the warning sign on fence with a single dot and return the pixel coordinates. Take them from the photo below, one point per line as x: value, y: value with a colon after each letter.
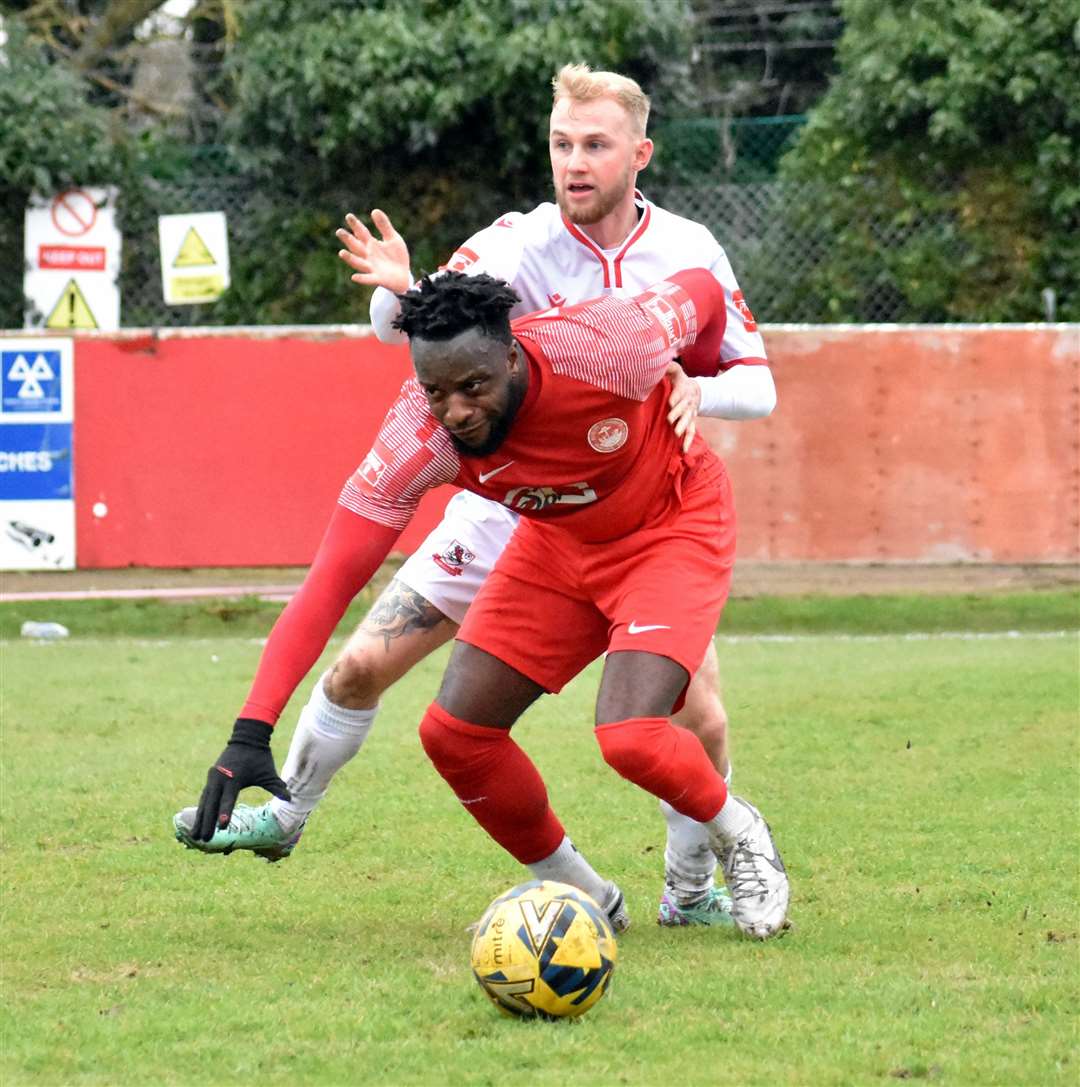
x: 71, y: 309
x: 72, y: 252
x: 194, y: 257
x: 193, y: 252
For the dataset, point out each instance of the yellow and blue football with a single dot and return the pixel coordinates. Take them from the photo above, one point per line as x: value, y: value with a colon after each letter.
x: 544, y: 950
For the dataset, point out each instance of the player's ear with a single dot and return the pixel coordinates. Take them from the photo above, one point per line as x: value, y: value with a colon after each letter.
x: 643, y: 153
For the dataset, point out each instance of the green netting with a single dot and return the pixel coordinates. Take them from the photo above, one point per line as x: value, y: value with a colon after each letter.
x: 738, y: 150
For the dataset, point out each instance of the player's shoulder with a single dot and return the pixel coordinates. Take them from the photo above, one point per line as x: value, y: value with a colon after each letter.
x: 668, y: 224
x: 500, y: 247
x: 534, y: 229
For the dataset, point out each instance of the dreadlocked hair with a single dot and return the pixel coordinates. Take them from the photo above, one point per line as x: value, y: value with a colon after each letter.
x: 441, y: 307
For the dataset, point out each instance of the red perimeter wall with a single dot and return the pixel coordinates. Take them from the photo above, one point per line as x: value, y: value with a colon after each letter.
x: 920, y: 444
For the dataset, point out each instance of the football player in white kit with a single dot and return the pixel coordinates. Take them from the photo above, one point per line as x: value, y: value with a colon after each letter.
x: 601, y: 236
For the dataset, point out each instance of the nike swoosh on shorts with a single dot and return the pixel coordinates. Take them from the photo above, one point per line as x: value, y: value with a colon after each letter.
x: 633, y: 628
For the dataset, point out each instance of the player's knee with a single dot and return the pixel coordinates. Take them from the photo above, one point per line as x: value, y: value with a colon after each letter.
x: 629, y: 747
x: 436, y: 739
x: 355, y: 681
x: 453, y: 750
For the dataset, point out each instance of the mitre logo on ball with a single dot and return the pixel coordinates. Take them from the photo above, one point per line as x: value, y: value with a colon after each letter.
x: 608, y: 435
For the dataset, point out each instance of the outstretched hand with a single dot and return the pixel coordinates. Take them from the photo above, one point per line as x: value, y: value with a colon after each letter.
x: 245, y: 761
x: 684, y: 402
x: 377, y: 262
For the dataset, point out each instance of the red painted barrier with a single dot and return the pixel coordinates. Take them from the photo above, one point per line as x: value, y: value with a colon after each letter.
x: 224, y: 449
x: 937, y: 443
x: 943, y: 443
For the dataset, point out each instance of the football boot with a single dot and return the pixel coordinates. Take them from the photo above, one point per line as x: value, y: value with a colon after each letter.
x: 713, y: 909
x: 250, y: 828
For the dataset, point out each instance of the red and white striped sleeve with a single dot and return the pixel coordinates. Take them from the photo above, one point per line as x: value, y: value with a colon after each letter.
x: 623, y: 345
x: 412, y: 454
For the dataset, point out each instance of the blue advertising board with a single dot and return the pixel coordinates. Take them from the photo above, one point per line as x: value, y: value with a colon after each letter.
x: 37, y: 475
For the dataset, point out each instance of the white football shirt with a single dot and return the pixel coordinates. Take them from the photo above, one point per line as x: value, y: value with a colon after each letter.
x: 551, y: 262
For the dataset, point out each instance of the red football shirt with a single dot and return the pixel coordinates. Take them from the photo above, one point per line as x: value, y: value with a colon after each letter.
x: 590, y: 446
x: 590, y: 449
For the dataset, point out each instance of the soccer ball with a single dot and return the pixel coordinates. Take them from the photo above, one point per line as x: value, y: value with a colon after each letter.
x: 544, y: 950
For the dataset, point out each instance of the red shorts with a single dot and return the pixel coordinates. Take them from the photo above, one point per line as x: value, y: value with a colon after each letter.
x: 553, y: 604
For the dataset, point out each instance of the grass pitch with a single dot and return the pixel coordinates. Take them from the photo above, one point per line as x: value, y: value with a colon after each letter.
x: 923, y: 792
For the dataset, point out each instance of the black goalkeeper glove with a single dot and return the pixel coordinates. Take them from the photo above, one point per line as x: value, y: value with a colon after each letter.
x: 245, y: 761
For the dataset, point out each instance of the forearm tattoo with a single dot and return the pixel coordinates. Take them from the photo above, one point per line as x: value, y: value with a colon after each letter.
x: 400, y: 610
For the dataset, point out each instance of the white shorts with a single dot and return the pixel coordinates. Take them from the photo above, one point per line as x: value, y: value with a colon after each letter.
x: 449, y: 567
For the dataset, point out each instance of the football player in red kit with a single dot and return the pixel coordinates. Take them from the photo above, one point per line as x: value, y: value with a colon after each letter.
x: 625, y: 546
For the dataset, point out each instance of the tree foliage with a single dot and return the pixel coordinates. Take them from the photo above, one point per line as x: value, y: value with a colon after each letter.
x: 947, y: 145
x: 52, y: 137
x: 966, y: 118
x: 466, y: 83
x: 435, y: 111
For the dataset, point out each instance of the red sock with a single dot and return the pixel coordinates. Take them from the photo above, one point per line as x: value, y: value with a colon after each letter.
x: 495, y: 781
x: 665, y: 760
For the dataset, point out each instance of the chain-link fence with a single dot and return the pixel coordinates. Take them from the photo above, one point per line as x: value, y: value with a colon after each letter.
x: 796, y: 266
x: 142, y: 301
x: 802, y: 252
x: 791, y: 267
x: 742, y: 150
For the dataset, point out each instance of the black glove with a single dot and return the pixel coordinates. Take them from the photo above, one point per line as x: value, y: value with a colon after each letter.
x: 245, y: 761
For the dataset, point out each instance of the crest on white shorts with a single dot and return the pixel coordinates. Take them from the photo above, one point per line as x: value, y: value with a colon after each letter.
x: 608, y: 435
x: 454, y: 558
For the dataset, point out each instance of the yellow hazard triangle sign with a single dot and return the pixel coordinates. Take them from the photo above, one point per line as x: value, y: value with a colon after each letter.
x: 193, y: 252
x: 71, y: 310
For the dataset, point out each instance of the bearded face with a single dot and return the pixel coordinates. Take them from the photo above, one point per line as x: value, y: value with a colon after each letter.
x: 595, y: 158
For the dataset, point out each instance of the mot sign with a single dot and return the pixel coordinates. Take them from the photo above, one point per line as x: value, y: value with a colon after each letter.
x: 37, y: 477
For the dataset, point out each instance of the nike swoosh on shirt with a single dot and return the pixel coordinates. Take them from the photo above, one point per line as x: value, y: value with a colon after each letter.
x: 633, y: 628
x: 485, y: 476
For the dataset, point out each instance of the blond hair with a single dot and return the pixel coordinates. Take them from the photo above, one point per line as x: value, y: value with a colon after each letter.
x: 581, y: 84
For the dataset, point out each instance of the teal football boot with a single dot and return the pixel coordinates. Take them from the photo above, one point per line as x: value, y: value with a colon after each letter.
x: 713, y: 909
x: 250, y: 828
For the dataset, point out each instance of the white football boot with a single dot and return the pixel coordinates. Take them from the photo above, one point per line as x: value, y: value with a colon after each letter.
x: 755, y: 875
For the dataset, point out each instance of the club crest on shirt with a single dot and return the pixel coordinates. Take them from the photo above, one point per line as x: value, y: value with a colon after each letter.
x: 608, y: 435
x: 454, y: 558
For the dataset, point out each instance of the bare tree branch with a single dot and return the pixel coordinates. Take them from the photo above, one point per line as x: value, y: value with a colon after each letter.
x: 117, y: 20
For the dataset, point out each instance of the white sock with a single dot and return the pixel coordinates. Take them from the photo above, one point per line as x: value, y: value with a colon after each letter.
x: 689, y: 862
x: 733, y: 820
x: 326, y: 737
x: 567, y: 865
